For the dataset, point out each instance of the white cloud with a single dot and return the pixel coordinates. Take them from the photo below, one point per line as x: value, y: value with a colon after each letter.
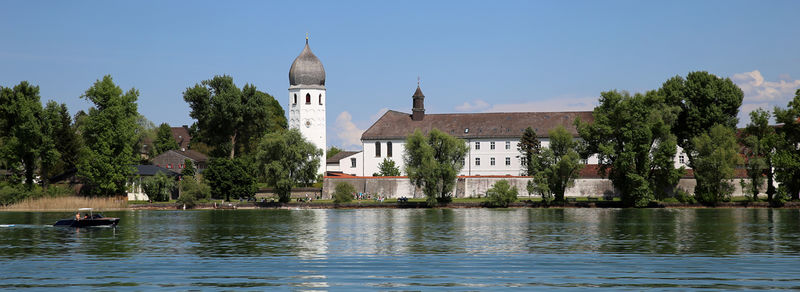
x: 757, y: 89
x: 476, y: 105
x: 761, y: 93
x: 349, y: 134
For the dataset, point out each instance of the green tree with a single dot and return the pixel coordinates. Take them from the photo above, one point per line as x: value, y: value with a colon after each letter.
x: 560, y: 164
x: 58, y: 127
x: 760, y: 140
x: 159, y: 187
x: 188, y: 169
x: 787, y: 156
x: 332, y: 151
x: 233, y: 119
x: 705, y: 100
x: 49, y: 155
x: 343, y: 193
x: 632, y: 138
x: 715, y: 163
x: 501, y: 194
x: 230, y: 177
x: 21, y: 133
x: 286, y: 160
x: 387, y: 168
x: 530, y: 148
x: 164, y: 140
x: 109, y: 132
x: 433, y: 163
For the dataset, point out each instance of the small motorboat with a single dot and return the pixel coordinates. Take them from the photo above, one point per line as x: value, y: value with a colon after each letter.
x: 85, y: 218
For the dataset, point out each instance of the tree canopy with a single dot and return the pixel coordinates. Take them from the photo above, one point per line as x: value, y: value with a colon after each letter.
x: 760, y: 141
x: 230, y: 177
x: 558, y: 165
x: 787, y: 157
x: 21, y: 130
x: 530, y: 148
x: 433, y: 162
x: 232, y: 119
x: 286, y: 159
x: 109, y: 132
x: 717, y: 158
x: 632, y: 138
x: 704, y: 100
x: 387, y: 168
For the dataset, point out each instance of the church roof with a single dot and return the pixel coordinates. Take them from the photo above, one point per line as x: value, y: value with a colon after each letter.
x: 307, y: 69
x: 398, y: 125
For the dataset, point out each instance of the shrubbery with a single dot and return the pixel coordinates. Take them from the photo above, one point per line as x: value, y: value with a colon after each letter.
x: 501, y: 194
x: 343, y: 193
x: 193, y: 191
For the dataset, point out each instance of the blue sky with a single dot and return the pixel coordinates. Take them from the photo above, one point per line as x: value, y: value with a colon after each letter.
x: 472, y: 56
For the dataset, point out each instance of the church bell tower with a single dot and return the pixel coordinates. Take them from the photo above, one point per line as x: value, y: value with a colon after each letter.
x: 307, y: 100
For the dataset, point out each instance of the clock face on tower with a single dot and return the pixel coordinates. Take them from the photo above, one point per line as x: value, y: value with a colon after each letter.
x: 308, y: 123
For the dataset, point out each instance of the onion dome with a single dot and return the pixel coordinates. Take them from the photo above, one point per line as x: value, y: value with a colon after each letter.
x: 307, y: 69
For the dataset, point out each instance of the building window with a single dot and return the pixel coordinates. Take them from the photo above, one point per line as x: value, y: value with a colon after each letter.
x: 377, y: 149
x: 491, y: 145
x: 295, y: 99
x: 508, y: 145
x: 508, y: 160
x: 388, y: 149
x: 477, y: 145
x: 681, y: 160
x: 523, y: 161
x: 308, y: 98
x: 491, y: 161
x: 320, y: 99
x: 352, y: 163
x: 477, y: 161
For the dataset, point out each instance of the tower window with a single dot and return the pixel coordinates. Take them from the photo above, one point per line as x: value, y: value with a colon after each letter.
x: 388, y: 149
x: 320, y: 99
x: 308, y: 98
x: 377, y: 149
x: 295, y: 98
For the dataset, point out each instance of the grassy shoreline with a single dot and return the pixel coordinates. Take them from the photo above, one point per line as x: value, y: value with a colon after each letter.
x: 72, y: 203
x: 67, y: 203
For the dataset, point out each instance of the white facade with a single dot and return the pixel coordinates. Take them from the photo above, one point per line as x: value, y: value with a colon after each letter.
x: 307, y: 113
x: 503, y: 151
x: 352, y: 165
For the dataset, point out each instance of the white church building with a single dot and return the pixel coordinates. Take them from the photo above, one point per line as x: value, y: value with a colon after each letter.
x: 492, y: 137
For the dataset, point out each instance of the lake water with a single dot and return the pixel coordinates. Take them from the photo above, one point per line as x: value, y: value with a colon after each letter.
x: 397, y: 249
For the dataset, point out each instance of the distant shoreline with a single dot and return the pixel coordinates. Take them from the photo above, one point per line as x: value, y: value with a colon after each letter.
x: 456, y: 205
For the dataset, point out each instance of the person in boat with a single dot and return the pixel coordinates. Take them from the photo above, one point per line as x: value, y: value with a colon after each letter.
x: 78, y: 216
